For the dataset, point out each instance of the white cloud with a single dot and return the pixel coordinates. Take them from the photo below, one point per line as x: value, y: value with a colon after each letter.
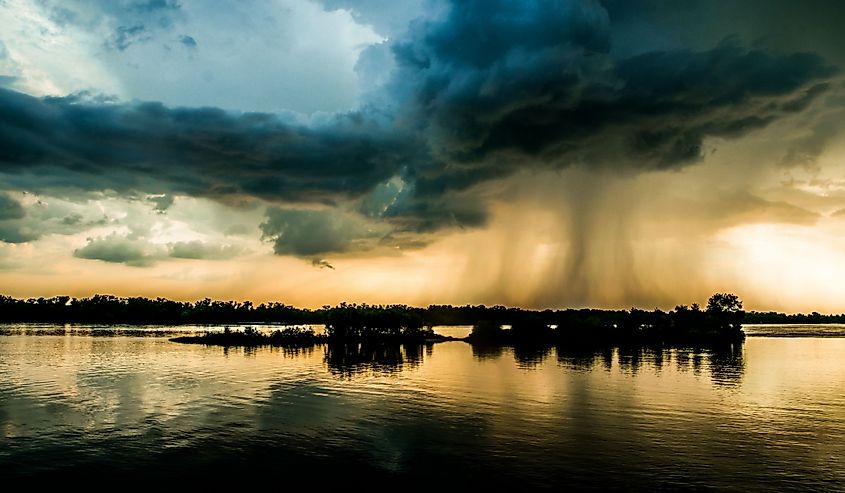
x: 46, y: 58
x: 256, y: 55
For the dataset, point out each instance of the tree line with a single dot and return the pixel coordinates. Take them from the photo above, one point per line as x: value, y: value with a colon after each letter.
x: 721, y: 318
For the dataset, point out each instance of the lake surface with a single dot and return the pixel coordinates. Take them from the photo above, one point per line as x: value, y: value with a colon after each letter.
x: 102, y: 403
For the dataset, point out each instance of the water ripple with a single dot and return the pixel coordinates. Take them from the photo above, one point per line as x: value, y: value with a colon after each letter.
x: 768, y: 416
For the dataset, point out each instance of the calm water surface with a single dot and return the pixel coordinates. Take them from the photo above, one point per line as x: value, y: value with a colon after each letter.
x: 769, y: 416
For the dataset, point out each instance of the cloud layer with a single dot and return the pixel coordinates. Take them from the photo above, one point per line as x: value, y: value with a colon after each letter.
x: 473, y: 95
x: 452, y: 108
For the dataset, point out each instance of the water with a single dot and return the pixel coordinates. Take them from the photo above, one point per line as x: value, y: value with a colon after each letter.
x: 797, y: 330
x: 74, y: 406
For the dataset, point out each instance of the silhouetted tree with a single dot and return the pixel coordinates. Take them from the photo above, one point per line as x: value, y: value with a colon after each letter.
x: 725, y: 312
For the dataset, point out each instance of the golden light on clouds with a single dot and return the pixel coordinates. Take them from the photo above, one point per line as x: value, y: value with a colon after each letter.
x: 619, y: 242
x: 787, y: 267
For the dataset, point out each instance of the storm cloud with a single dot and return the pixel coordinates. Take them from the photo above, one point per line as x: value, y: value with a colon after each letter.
x: 202, y: 152
x: 472, y: 95
x: 501, y: 85
x: 308, y: 233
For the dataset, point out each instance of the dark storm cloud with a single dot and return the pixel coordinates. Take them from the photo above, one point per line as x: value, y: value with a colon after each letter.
x: 499, y: 82
x: 483, y: 90
x: 307, y: 233
x: 410, y: 209
x: 427, y: 215
x: 782, y: 25
x: 202, y: 152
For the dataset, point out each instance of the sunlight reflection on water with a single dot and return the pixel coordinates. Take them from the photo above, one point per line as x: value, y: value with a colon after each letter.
x: 770, y: 415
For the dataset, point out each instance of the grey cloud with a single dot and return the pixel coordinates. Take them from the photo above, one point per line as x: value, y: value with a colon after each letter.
x: 201, y: 250
x: 10, y: 208
x: 161, y: 202
x: 188, y: 41
x: 818, y: 130
x: 120, y: 249
x: 122, y: 23
x: 205, y: 152
x: 806, y: 150
x: 450, y: 210
x: 126, y: 36
x: 8, y: 80
x: 785, y: 25
x: 15, y: 232
x: 13, y: 226
x: 535, y: 81
x: 407, y: 209
x: 10, y: 70
x: 155, y: 6
x: 19, y: 224
x: 387, y: 17
x: 307, y: 233
x: 88, y: 13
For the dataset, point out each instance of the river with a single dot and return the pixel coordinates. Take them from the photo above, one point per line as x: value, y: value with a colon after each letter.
x: 84, y: 403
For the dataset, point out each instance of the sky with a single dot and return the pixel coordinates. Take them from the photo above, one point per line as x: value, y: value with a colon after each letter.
x: 534, y: 153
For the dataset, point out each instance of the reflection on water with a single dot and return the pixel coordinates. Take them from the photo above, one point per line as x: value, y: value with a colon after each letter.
x: 725, y: 365
x: 348, y: 360
x: 483, y: 352
x: 768, y: 415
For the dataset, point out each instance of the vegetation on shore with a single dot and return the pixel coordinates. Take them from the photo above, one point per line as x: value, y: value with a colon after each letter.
x: 304, y: 336
x: 288, y: 336
x: 792, y: 318
x: 719, y: 321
